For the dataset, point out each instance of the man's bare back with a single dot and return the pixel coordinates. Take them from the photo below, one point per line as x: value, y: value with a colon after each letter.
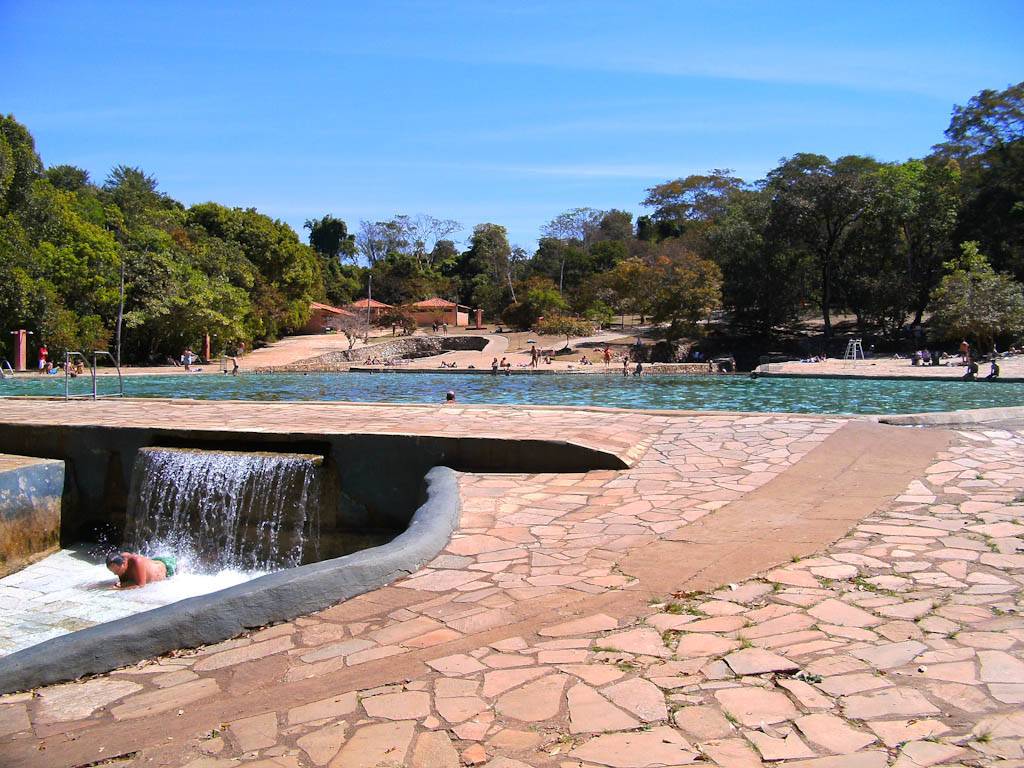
x: 135, y: 570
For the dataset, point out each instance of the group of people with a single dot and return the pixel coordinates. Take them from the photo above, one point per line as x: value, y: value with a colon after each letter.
x: 504, y: 366
x: 638, y: 369
x: 48, y: 368
x: 926, y: 357
x: 972, y: 370
x: 443, y: 327
x: 536, y: 357
x: 72, y: 369
x: 966, y: 358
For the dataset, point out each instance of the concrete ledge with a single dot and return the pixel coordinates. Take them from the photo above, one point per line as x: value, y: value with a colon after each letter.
x: 883, y: 377
x: 31, y: 492
x: 952, y: 418
x: 221, y: 615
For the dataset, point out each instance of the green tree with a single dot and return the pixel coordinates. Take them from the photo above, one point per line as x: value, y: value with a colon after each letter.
x: 689, y: 289
x: 485, y: 269
x: 564, y: 325
x: 569, y: 234
x: 630, y: 287
x: 20, y: 166
x: 68, y: 177
x: 615, y: 225
x: 401, y: 278
x: 329, y: 237
x: 687, y: 202
x: 133, y: 192
x: 765, y: 280
x: 986, y: 138
x: 975, y: 302
x: 539, y: 298
x: 817, y: 203
x: 922, y: 199
x: 991, y: 120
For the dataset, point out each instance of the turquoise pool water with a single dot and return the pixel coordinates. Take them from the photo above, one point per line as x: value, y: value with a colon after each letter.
x: 730, y: 393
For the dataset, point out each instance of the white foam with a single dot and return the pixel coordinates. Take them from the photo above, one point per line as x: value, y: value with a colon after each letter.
x: 63, y: 593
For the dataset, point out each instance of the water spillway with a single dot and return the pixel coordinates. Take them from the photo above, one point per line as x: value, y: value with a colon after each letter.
x: 226, y: 510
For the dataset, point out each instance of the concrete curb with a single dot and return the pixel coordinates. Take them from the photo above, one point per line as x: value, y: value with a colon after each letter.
x: 883, y: 377
x: 952, y: 418
x: 221, y: 615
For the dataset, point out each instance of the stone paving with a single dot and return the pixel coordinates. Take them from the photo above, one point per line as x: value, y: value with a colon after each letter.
x: 526, y: 643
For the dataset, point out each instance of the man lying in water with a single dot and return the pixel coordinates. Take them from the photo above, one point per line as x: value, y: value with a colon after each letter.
x: 137, y: 571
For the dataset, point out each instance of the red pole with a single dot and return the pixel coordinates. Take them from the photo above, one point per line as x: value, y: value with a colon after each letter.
x: 20, y: 349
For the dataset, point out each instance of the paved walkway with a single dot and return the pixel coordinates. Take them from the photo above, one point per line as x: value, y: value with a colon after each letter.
x: 548, y: 634
x: 291, y: 349
x: 1010, y: 368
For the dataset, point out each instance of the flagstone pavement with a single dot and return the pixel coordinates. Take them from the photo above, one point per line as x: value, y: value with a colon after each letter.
x: 529, y: 641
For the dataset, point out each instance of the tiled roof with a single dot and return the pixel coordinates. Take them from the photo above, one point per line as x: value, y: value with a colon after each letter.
x: 434, y: 303
x: 328, y: 308
x: 374, y: 304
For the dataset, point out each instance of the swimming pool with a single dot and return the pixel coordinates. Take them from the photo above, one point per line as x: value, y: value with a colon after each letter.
x: 729, y: 393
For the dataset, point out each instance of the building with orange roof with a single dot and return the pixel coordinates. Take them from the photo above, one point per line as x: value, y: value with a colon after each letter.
x: 376, y: 308
x: 438, y: 310
x: 323, y: 318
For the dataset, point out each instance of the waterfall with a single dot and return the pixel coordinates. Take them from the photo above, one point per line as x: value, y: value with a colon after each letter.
x: 224, y: 510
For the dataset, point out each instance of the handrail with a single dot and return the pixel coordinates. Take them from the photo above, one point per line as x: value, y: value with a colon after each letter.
x: 68, y: 356
x: 120, y: 378
x: 4, y: 362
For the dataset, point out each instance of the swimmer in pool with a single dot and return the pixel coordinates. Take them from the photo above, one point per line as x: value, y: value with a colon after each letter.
x: 135, y: 571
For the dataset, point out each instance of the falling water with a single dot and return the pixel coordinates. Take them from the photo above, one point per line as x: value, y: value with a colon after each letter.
x: 222, y: 510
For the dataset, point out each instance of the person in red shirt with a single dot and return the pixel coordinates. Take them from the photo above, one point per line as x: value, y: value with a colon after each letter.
x: 43, y: 354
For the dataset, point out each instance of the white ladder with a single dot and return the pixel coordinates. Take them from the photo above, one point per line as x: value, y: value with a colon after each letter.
x: 854, y: 347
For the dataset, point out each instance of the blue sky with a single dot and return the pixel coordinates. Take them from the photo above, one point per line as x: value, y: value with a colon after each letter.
x: 508, y: 112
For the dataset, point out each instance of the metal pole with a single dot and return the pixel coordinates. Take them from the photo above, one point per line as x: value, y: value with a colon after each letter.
x: 93, y: 375
x: 67, y: 366
x: 120, y: 312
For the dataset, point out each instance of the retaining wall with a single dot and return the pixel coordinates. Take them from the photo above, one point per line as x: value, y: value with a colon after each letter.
x: 30, y: 509
x: 403, y: 348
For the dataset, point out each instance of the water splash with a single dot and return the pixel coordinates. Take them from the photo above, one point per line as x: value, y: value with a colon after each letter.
x: 224, y: 510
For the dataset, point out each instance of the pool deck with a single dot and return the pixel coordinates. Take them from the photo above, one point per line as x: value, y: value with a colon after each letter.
x: 1011, y: 369
x: 653, y: 616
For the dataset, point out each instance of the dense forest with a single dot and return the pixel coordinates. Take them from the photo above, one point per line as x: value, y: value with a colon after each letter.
x: 937, y: 241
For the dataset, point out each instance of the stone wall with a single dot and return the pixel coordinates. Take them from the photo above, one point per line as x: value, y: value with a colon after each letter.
x: 30, y: 506
x: 403, y: 348
x: 688, y: 368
